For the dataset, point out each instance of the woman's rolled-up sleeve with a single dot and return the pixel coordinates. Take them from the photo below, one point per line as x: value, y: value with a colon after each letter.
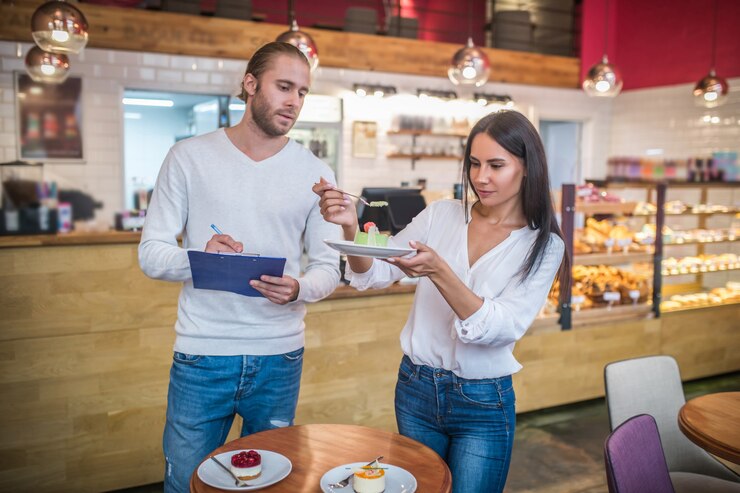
x: 504, y: 319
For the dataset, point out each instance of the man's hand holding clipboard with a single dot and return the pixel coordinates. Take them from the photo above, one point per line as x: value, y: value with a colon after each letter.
x: 278, y: 289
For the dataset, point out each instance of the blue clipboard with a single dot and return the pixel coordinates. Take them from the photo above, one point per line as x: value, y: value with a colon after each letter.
x: 232, y: 272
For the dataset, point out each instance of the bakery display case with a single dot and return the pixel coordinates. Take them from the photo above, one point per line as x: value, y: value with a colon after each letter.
x: 700, y: 228
x: 613, y: 269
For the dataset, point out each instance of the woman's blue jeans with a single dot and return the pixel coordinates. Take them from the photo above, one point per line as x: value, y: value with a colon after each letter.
x: 469, y: 423
x: 205, y: 394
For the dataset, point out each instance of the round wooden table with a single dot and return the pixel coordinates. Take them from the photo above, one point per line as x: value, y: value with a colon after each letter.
x: 712, y: 422
x: 317, y: 448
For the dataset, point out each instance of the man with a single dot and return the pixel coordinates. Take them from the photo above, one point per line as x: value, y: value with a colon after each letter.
x: 235, y: 354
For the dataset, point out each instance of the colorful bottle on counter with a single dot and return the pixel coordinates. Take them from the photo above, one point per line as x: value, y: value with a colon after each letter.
x: 51, y: 125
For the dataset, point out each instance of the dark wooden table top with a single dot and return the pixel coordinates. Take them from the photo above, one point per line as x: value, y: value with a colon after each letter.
x: 712, y: 422
x: 315, y: 449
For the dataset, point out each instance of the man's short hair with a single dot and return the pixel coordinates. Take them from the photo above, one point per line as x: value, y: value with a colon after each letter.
x: 261, y: 59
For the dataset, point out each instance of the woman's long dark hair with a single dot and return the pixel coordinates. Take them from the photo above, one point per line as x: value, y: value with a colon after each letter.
x: 518, y: 136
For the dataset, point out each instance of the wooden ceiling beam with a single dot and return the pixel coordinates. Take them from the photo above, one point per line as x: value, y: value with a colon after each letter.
x: 180, y: 34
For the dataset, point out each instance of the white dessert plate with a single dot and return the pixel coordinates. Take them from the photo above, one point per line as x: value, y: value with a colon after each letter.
x: 351, y: 248
x: 275, y: 467
x: 397, y: 479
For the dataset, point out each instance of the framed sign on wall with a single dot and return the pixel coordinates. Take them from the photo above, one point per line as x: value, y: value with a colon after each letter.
x: 49, y: 120
x: 364, y: 139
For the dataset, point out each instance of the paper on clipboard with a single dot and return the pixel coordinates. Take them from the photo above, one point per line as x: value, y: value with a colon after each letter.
x: 230, y: 272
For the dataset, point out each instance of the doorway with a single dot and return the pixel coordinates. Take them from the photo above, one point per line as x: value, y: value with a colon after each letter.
x: 562, y: 141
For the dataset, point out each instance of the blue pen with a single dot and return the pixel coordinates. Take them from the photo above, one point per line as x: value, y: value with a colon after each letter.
x: 218, y: 231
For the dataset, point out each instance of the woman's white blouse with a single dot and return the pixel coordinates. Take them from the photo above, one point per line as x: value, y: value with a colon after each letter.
x: 480, y: 346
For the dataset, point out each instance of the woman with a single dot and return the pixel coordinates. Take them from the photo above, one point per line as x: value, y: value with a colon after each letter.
x: 485, y: 269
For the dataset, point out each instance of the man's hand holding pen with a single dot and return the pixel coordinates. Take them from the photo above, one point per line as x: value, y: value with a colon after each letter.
x: 279, y: 290
x: 220, y: 243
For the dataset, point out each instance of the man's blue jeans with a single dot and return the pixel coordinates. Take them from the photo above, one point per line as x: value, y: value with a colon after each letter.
x: 206, y: 392
x: 469, y: 423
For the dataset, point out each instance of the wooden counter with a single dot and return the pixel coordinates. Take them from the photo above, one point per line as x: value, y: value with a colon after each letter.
x: 86, y: 347
x: 74, y: 238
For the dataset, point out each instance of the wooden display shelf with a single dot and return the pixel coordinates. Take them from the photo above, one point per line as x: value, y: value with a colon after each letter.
x: 435, y: 157
x: 427, y: 133
x: 591, y: 208
x: 614, y: 258
x: 697, y: 307
x: 702, y: 270
x: 730, y: 212
x: 697, y: 242
x: 670, y: 184
x: 602, y: 315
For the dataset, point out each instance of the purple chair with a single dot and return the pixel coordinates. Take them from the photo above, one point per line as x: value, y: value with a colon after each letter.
x: 634, y: 458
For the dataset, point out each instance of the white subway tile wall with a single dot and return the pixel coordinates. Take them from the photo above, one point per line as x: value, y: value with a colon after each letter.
x: 106, y: 74
x: 666, y: 118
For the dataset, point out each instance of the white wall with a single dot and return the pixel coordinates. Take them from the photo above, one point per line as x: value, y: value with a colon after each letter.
x: 107, y: 73
x: 666, y: 118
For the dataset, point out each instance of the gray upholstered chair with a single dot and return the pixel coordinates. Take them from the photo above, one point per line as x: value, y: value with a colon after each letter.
x: 652, y: 385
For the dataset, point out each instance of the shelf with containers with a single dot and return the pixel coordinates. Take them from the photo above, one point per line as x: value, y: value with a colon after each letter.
x: 700, y: 236
x: 416, y: 152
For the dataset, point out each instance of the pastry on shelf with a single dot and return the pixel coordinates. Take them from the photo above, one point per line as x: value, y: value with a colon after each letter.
x: 644, y: 209
x: 581, y: 247
x: 708, y: 208
x: 675, y: 207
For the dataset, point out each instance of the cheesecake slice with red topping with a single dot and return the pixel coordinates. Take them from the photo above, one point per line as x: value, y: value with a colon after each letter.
x: 246, y: 464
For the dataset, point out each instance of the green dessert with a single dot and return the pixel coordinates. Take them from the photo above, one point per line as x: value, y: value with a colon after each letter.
x: 371, y: 236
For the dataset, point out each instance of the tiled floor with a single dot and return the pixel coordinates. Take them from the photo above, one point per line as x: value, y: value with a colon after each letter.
x: 559, y: 450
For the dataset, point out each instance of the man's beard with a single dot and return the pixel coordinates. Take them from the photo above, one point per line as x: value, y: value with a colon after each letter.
x: 262, y: 113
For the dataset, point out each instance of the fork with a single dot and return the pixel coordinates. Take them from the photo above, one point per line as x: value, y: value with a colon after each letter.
x: 238, y: 482
x: 358, y: 197
x: 345, y: 481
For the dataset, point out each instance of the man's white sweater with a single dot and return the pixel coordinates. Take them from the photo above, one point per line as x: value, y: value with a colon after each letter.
x: 269, y: 207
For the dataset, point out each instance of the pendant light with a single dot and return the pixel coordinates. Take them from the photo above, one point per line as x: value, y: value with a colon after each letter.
x: 45, y: 67
x: 603, y: 79
x: 469, y: 65
x: 712, y: 90
x: 300, y: 40
x: 59, y: 27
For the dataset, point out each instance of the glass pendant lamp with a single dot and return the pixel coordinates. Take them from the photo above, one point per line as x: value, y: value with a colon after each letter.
x: 712, y: 90
x: 470, y: 64
x: 45, y: 67
x: 300, y: 40
x: 59, y: 27
x: 603, y: 79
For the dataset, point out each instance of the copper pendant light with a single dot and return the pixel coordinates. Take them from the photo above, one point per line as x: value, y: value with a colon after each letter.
x: 59, y: 27
x: 300, y: 40
x: 469, y: 65
x: 45, y: 67
x: 711, y: 91
x: 603, y: 79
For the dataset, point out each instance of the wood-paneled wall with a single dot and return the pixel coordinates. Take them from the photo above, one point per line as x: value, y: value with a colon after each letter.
x: 165, y: 32
x: 86, y: 345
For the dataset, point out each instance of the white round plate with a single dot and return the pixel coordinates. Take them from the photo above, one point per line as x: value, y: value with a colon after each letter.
x: 275, y: 467
x: 351, y: 248
x: 397, y: 479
